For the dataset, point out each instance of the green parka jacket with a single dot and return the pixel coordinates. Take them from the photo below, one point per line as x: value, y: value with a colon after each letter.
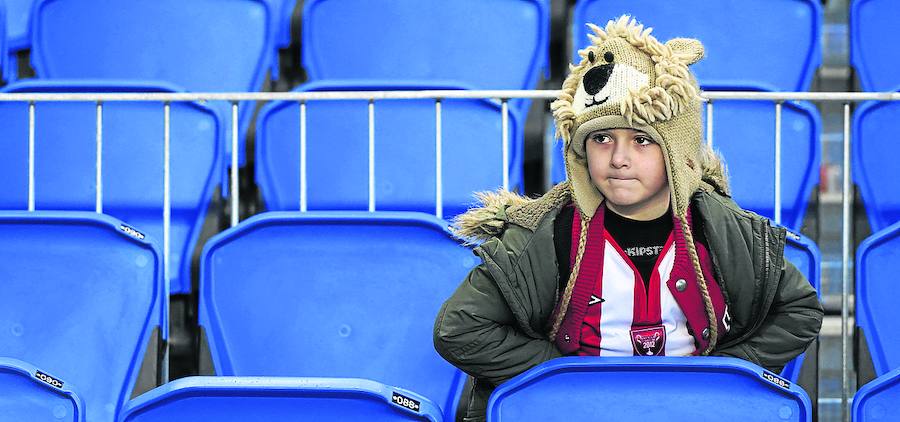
x: 494, y: 327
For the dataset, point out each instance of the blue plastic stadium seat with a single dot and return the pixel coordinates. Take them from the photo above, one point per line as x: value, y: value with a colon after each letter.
x: 202, y: 45
x: 133, y: 161
x: 340, y: 294
x: 82, y: 294
x: 18, y: 17
x: 879, y: 400
x: 747, y: 43
x: 876, y: 296
x: 276, y: 399
x: 744, y: 134
x: 500, y: 44
x: 648, y: 388
x: 874, y: 166
x: 284, y: 22
x: 875, y: 43
x: 804, y: 254
x: 29, y: 394
x: 338, y: 151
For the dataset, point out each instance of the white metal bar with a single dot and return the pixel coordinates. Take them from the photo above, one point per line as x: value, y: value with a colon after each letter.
x: 371, y: 156
x: 303, y: 198
x: 167, y: 197
x: 709, y: 123
x: 438, y: 161
x: 425, y: 94
x: 99, y: 182
x: 778, y: 162
x: 31, y: 156
x: 504, y: 108
x: 234, y: 165
x: 845, y: 257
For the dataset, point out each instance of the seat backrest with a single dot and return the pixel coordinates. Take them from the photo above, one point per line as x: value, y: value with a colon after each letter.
x: 133, y: 158
x: 500, y: 44
x: 804, y: 254
x: 876, y: 296
x: 337, y: 139
x: 186, y: 43
x: 618, y: 388
x: 744, y: 134
x: 29, y: 394
x: 874, y: 167
x: 747, y: 43
x: 875, y: 44
x: 200, y: 45
x: 278, y: 399
x: 82, y: 294
x: 878, y: 399
x: 342, y: 294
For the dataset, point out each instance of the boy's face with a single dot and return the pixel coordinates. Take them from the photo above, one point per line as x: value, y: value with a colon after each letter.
x: 628, y: 169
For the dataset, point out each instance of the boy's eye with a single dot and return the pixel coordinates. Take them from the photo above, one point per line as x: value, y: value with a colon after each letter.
x: 643, y: 141
x: 600, y: 138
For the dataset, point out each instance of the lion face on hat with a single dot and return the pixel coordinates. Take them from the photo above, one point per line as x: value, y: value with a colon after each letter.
x: 613, y: 70
x: 627, y: 71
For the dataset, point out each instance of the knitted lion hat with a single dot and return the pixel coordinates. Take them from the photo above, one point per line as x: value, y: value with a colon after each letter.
x: 628, y: 79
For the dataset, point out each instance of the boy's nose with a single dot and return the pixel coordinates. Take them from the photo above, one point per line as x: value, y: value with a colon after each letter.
x: 620, y: 156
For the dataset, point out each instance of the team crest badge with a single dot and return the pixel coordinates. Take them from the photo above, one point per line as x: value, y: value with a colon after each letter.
x: 648, y: 341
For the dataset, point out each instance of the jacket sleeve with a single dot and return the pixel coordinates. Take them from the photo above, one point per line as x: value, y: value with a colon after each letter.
x: 477, y: 332
x: 792, y: 323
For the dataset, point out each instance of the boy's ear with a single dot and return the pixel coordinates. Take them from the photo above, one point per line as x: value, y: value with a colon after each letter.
x: 688, y: 50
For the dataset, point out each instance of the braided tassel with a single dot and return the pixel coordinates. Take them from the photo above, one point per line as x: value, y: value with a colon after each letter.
x: 570, y: 285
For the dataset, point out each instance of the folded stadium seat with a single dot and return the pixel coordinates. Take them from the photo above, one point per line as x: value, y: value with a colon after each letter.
x: 18, y: 36
x: 405, y: 166
x: 4, y: 57
x: 500, y: 44
x: 284, y: 25
x: 83, y: 294
x: 276, y: 399
x: 876, y: 296
x: 201, y: 45
x: 133, y: 159
x: 874, y: 168
x: 773, y: 43
x: 29, y: 394
x: 648, y: 388
x: 878, y: 400
x: 875, y: 44
x: 333, y: 294
x: 744, y: 134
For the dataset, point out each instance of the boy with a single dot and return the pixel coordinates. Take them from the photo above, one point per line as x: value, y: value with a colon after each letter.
x: 641, y: 252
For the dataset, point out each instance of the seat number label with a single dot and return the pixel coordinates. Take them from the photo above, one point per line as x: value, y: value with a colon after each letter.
x: 774, y: 379
x: 47, y: 379
x: 406, y: 402
x: 131, y: 232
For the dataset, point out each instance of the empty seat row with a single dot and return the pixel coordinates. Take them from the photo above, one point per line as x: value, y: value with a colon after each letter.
x: 334, y: 294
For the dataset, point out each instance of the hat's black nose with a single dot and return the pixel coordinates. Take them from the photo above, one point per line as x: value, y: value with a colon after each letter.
x: 596, y: 78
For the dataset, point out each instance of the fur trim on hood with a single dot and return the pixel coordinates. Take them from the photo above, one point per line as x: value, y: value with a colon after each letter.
x: 498, y: 208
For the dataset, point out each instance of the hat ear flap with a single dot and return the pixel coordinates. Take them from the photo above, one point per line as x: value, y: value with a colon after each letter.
x: 688, y: 50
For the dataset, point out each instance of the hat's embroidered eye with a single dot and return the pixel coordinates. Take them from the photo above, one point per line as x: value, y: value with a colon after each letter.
x: 608, y: 56
x: 591, y: 56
